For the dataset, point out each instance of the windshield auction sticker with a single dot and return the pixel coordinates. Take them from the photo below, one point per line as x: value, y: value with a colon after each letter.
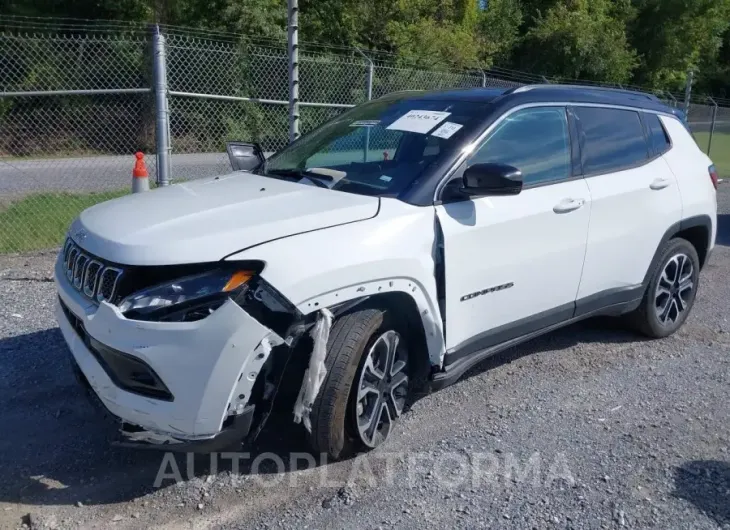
x: 447, y: 130
x: 365, y: 123
x: 418, y: 121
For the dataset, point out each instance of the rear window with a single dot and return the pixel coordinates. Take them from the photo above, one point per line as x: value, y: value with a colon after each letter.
x: 611, y: 139
x: 658, y: 137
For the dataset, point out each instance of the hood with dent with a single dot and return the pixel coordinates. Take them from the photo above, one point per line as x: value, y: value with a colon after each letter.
x: 207, y: 219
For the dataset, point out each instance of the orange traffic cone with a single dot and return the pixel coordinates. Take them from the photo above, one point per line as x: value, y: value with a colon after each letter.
x: 140, y: 178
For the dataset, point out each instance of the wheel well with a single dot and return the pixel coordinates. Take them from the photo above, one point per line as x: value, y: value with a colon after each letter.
x: 700, y: 239
x: 403, y: 307
x: 406, y: 311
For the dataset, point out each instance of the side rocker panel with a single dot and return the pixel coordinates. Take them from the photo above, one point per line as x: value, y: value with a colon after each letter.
x: 394, y: 252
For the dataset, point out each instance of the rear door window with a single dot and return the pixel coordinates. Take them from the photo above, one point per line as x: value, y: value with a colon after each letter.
x: 611, y: 139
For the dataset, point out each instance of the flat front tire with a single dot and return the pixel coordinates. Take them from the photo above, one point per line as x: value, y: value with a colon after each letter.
x: 366, y: 384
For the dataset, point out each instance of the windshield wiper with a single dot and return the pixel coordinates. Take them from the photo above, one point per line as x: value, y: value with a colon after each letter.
x: 320, y: 180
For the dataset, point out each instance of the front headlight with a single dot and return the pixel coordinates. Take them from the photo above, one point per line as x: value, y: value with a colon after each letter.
x: 187, y: 298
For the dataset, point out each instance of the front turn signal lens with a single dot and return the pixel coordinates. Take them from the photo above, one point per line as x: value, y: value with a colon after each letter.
x: 236, y: 280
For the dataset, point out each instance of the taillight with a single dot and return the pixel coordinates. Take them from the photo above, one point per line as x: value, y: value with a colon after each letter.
x: 713, y: 175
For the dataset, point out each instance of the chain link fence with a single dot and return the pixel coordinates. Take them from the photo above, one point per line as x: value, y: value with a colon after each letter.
x: 710, y: 125
x: 76, y: 101
x: 71, y: 107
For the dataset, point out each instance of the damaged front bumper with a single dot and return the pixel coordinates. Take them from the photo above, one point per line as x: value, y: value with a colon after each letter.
x: 189, y: 386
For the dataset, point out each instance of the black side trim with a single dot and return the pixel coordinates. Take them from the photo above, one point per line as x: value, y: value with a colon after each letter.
x: 509, y: 331
x: 622, y: 298
x: 455, y: 370
x: 612, y: 302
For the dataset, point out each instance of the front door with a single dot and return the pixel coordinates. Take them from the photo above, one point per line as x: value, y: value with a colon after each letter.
x: 513, y: 263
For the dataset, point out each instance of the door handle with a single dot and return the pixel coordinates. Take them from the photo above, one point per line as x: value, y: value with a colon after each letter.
x: 568, y: 205
x: 660, y: 184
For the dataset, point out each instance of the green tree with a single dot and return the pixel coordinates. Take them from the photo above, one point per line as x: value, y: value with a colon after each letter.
x: 580, y: 39
x: 715, y: 75
x: 674, y: 36
x: 136, y: 10
x: 449, y: 33
x: 435, y: 45
x: 498, y: 30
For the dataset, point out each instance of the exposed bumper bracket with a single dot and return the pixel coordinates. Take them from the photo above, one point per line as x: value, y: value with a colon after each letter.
x: 232, y: 435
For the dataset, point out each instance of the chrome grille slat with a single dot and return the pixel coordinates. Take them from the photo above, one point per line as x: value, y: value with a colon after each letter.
x: 79, y: 268
x: 89, y: 276
x: 72, y: 255
x: 66, y: 249
x: 108, y: 283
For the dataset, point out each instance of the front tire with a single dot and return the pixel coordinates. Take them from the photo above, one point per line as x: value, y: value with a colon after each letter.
x: 366, y: 385
x: 671, y: 292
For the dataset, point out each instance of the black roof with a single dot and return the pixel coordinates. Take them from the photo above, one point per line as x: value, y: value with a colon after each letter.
x: 496, y: 101
x: 547, y: 93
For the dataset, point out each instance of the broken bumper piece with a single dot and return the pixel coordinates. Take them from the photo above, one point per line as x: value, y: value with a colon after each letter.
x: 185, y: 385
x: 132, y: 436
x: 135, y: 437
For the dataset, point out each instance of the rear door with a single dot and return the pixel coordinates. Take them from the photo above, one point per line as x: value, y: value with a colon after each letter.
x: 513, y: 263
x: 634, y: 200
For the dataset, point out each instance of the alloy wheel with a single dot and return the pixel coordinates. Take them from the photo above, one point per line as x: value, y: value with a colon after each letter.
x: 382, y: 388
x: 674, y: 289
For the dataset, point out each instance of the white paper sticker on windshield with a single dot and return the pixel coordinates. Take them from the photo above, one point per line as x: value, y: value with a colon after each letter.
x: 419, y: 121
x: 447, y: 130
x: 364, y: 123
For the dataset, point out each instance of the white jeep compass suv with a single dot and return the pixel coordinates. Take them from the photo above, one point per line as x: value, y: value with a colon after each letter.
x: 382, y: 254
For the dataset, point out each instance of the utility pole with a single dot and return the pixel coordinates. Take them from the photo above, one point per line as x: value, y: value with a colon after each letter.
x: 712, y: 126
x: 293, y: 44
x: 369, y: 94
x: 688, y: 91
x: 162, y: 110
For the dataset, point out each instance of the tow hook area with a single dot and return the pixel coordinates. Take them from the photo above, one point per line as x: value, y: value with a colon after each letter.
x: 136, y: 437
x: 242, y: 408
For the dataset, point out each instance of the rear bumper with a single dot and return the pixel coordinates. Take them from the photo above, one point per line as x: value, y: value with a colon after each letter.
x: 208, y: 368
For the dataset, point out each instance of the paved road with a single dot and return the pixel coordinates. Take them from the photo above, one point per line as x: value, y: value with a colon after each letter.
x: 109, y: 173
x: 99, y: 173
x: 586, y: 428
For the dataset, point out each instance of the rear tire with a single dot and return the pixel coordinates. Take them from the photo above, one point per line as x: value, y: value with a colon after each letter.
x: 671, y: 291
x: 357, y: 343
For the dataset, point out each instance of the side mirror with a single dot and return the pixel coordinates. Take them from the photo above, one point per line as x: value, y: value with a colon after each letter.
x: 245, y: 156
x: 492, y: 179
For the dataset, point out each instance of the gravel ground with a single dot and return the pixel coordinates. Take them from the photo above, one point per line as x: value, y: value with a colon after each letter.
x: 588, y: 427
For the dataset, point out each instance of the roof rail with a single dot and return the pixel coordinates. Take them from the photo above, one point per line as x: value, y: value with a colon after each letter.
x: 647, y: 95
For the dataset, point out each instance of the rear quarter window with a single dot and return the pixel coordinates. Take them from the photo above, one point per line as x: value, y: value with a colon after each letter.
x: 611, y: 139
x: 658, y: 137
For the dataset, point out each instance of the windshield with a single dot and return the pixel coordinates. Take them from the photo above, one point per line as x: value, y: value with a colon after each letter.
x: 378, y: 148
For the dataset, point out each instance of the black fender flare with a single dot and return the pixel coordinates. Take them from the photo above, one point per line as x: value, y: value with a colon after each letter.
x: 691, y: 222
